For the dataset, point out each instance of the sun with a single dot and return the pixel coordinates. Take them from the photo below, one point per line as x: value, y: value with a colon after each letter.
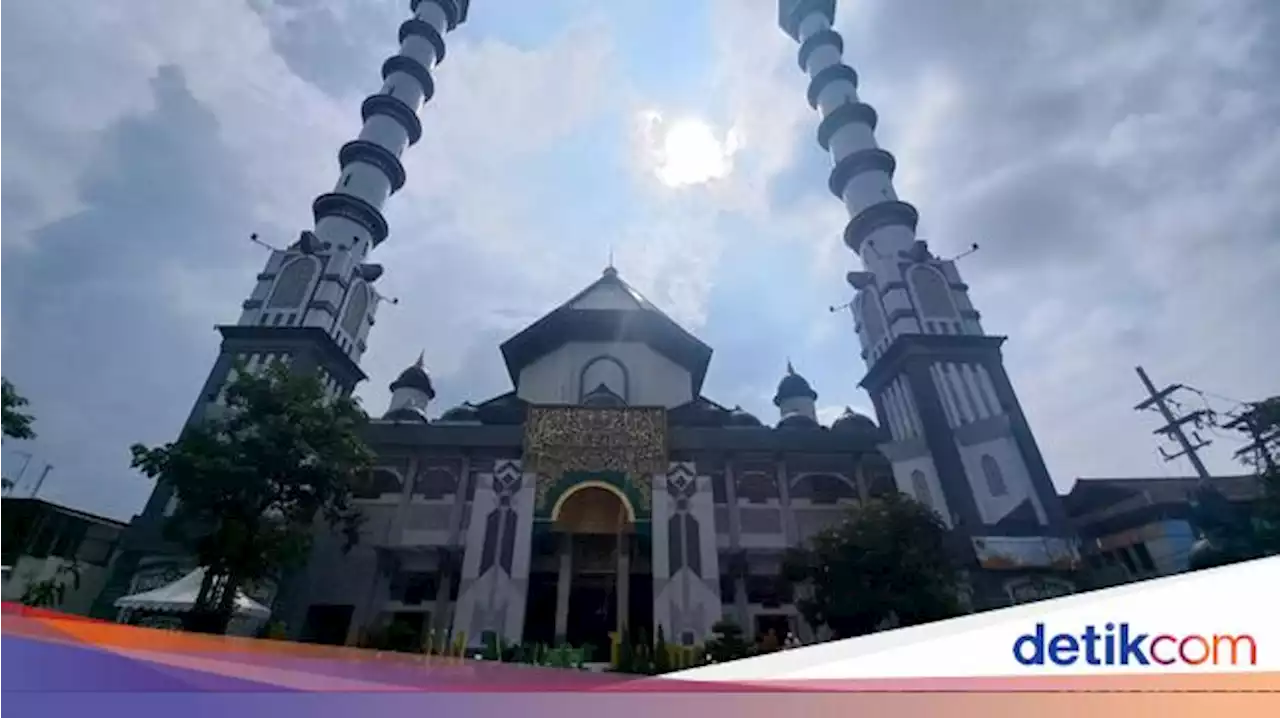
x: 687, y: 152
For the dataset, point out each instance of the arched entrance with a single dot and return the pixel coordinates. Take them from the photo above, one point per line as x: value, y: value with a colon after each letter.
x: 588, y: 557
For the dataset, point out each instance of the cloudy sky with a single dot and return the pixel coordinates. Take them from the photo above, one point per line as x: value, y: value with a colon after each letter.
x: 1117, y: 161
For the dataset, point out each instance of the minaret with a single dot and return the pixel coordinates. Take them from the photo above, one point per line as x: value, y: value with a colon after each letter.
x: 959, y: 440
x: 314, y: 303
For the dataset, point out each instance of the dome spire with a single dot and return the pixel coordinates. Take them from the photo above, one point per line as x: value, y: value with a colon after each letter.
x: 421, y: 363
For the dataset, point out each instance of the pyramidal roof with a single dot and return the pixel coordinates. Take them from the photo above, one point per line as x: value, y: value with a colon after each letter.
x: 608, y: 310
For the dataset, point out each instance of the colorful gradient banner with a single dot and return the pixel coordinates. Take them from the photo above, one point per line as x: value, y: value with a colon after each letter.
x: 63, y: 665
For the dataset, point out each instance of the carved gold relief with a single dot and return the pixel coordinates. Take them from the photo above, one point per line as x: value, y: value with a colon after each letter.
x: 631, y: 441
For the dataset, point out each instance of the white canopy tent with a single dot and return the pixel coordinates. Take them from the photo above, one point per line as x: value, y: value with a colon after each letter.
x: 180, y: 597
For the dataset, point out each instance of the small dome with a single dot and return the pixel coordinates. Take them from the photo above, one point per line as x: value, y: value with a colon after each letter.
x: 853, y: 422
x: 742, y: 417
x: 797, y: 421
x: 460, y: 413
x: 793, y: 385
x: 415, y: 377
x: 407, y: 414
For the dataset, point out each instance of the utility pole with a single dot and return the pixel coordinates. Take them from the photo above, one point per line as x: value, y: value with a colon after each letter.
x: 40, y: 481
x: 1173, y: 424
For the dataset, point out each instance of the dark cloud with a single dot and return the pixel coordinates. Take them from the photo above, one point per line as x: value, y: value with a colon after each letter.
x: 322, y: 42
x: 89, y: 310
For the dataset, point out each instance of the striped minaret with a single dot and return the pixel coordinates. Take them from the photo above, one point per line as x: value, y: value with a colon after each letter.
x: 313, y: 305
x: 959, y: 440
x: 322, y: 281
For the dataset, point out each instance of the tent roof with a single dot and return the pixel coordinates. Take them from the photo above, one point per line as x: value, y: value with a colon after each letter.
x: 180, y: 597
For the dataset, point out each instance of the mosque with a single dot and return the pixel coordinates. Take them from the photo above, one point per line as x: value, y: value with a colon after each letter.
x: 604, y: 489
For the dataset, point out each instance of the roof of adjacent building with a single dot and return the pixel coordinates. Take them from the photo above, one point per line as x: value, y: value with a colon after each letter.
x: 26, y: 503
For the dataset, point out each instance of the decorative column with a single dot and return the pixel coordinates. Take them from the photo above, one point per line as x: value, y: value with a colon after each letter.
x: 564, y: 585
x: 784, y: 499
x: 624, y: 580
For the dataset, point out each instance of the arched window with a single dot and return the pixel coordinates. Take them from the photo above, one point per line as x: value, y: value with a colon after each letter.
x: 357, y: 307
x: 604, y: 371
x: 872, y: 319
x: 291, y: 285
x: 932, y: 293
x: 995, y: 479
x: 920, y: 485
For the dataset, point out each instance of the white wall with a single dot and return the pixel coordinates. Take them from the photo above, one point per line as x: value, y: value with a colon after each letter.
x: 1016, y: 479
x: 654, y: 379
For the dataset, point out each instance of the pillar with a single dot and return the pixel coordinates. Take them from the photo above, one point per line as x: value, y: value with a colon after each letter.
x: 624, y: 580
x: 564, y: 585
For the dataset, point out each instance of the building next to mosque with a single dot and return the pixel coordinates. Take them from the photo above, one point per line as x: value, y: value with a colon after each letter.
x: 604, y: 489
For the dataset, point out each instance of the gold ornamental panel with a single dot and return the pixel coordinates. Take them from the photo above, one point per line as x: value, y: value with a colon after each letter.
x: 631, y: 441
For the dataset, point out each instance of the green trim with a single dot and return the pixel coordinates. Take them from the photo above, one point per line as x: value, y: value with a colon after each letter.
x: 616, y: 479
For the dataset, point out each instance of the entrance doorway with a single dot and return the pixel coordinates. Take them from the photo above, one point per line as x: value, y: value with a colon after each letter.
x: 587, y: 571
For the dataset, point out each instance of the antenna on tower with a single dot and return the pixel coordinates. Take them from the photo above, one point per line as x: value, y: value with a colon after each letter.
x: 254, y: 238
x: 839, y: 307
x: 965, y: 253
x: 383, y: 297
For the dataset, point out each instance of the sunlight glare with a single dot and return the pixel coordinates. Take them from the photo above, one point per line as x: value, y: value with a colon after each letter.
x: 687, y: 152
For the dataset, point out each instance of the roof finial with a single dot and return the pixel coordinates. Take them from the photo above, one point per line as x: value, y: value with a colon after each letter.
x: 790, y: 369
x: 609, y: 270
x: 422, y: 356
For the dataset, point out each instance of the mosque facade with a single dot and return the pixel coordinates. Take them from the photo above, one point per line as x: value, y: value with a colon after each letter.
x: 604, y: 489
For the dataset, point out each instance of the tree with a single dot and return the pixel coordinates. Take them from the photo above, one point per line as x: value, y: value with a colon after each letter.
x: 254, y: 476
x: 727, y: 643
x: 52, y: 591
x: 14, y: 422
x: 886, y: 564
x: 1261, y: 424
x: 661, y: 654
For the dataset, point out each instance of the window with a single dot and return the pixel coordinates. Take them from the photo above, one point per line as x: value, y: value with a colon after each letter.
x: 995, y: 479
x: 346, y: 179
x: 275, y: 320
x: 606, y: 372
x: 1127, y: 559
x: 1144, y: 557
x: 291, y: 286
x: 357, y: 306
x: 932, y: 293
x: 920, y: 485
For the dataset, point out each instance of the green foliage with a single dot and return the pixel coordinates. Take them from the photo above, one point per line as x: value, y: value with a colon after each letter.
x: 52, y: 591
x: 727, y: 642
x: 1261, y: 425
x: 887, y: 562
x: 626, y: 653
x: 661, y: 654
x: 16, y: 423
x: 255, y: 475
